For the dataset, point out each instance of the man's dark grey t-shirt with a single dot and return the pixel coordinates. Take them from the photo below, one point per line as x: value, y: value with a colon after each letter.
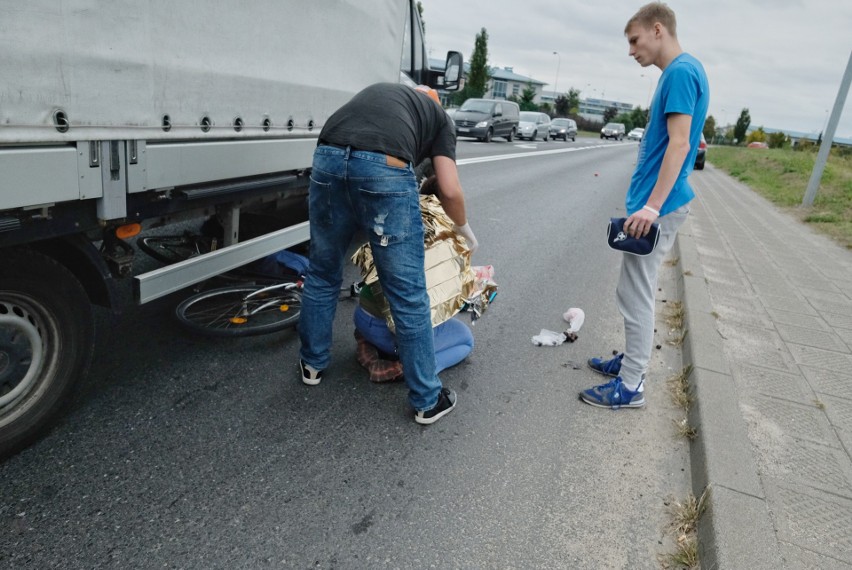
x: 392, y: 119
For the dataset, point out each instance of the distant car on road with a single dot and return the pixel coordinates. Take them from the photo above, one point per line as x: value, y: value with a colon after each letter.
x: 533, y: 124
x: 702, y: 154
x: 613, y: 131
x: 564, y: 129
x: 636, y: 134
x: 757, y: 144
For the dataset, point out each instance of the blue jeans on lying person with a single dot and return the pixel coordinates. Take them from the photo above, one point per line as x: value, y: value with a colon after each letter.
x: 453, y: 339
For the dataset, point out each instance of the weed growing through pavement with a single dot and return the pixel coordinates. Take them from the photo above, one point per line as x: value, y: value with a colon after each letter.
x: 674, y: 317
x: 819, y: 404
x: 685, y: 430
x: 672, y: 261
x: 679, y: 388
x: 685, y: 515
x: 678, y: 341
x: 688, y: 273
x: 715, y: 315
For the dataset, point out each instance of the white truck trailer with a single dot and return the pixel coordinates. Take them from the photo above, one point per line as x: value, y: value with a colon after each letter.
x: 115, y: 113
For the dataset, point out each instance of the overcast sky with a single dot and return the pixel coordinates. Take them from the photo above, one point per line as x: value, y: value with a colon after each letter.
x: 781, y: 59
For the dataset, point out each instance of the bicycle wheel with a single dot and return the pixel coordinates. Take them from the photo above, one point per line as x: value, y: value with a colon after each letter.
x: 242, y: 310
x: 171, y: 249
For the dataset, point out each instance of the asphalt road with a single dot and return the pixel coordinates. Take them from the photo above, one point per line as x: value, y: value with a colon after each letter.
x: 186, y: 452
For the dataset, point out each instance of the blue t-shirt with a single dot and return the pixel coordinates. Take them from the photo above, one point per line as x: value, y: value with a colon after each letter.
x: 683, y: 88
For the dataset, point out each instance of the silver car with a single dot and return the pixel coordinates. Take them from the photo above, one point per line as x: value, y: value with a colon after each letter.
x: 533, y: 124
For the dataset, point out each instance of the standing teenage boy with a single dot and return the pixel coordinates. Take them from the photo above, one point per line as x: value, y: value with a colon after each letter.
x: 659, y: 192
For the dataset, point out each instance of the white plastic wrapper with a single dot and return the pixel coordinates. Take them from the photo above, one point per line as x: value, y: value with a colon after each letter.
x: 548, y: 338
x: 575, y: 318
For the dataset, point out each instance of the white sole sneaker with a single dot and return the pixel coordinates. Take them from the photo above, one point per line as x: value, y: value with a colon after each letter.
x: 310, y: 375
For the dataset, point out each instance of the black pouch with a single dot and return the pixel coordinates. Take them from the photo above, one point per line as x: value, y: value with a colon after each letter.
x: 620, y: 240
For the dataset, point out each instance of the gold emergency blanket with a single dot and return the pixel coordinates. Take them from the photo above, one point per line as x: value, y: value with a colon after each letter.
x: 450, y: 281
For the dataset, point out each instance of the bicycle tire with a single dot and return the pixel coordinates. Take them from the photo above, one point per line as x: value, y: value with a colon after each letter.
x: 225, y: 312
x: 175, y: 248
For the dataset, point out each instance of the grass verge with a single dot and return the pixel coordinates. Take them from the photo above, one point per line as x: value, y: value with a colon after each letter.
x: 782, y: 175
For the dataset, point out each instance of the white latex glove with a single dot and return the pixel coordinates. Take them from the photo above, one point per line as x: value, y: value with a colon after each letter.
x: 468, y: 236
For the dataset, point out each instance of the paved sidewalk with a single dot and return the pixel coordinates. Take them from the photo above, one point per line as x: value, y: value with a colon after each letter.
x: 769, y: 319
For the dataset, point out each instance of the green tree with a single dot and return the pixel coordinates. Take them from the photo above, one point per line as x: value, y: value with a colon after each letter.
x: 477, y: 79
x: 757, y: 135
x: 709, y: 127
x: 561, y: 106
x: 638, y: 118
x: 525, y: 101
x: 571, y: 105
x: 742, y: 125
x: 609, y: 114
x: 777, y: 140
x: 420, y: 11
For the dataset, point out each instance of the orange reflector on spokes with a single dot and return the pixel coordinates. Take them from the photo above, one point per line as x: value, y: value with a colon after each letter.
x: 128, y: 231
x: 284, y: 308
x: 238, y: 320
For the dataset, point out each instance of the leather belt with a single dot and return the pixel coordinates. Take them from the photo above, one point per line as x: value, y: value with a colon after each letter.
x: 389, y: 160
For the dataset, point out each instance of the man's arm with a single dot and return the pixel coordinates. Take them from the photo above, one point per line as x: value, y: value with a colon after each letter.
x: 678, y: 126
x: 451, y: 194
x: 452, y: 198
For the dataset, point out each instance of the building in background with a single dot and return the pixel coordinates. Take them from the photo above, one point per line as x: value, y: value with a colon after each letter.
x: 504, y: 83
x: 594, y: 109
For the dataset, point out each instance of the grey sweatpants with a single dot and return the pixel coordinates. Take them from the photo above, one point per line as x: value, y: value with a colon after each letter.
x: 637, y: 287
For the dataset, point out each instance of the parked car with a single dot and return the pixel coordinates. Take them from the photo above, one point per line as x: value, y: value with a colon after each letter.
x: 533, y: 124
x: 702, y: 154
x: 757, y: 144
x: 613, y: 131
x: 485, y: 119
x: 563, y: 129
x: 636, y: 134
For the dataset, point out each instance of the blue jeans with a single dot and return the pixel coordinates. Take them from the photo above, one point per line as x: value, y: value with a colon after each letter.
x: 453, y: 339
x: 351, y: 190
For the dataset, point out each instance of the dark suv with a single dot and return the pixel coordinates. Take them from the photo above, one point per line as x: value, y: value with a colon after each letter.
x: 613, y: 131
x: 487, y: 118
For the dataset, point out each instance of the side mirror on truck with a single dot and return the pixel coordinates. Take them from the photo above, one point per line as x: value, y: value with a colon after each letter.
x: 452, y: 71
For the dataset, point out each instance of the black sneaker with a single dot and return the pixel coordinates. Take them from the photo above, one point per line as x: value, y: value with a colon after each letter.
x: 310, y: 375
x: 445, y: 405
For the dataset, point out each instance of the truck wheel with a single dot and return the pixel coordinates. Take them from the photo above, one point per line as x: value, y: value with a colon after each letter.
x: 46, y: 344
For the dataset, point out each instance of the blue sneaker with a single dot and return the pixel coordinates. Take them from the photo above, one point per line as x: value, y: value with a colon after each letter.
x: 613, y: 395
x: 611, y: 367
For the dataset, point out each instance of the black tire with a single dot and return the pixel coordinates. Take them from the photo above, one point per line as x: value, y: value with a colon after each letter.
x: 574, y: 138
x: 46, y: 344
x: 699, y: 165
x: 533, y: 135
x: 511, y: 135
x: 226, y: 312
x: 488, y: 135
x: 546, y: 137
x: 172, y: 249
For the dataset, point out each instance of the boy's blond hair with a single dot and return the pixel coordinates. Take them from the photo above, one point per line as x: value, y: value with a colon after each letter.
x: 650, y: 14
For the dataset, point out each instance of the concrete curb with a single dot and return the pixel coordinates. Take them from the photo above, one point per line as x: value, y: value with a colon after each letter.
x: 735, y: 530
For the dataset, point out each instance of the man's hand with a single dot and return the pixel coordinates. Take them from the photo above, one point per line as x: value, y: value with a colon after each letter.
x: 468, y: 236
x: 639, y: 224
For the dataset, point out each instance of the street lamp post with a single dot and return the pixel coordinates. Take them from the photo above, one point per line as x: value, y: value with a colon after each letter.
x: 556, y: 83
x: 650, y: 82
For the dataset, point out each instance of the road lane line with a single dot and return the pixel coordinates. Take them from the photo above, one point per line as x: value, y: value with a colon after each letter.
x: 478, y: 159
